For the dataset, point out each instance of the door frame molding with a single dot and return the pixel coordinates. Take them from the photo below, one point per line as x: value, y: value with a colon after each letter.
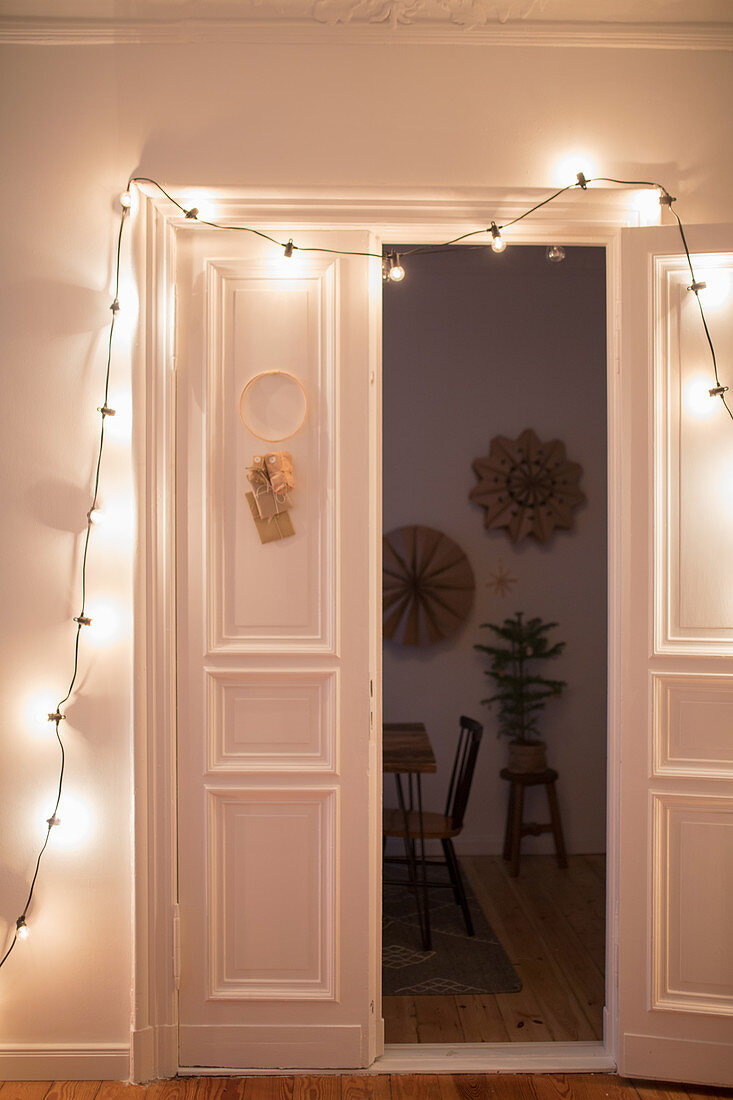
x: 593, y: 217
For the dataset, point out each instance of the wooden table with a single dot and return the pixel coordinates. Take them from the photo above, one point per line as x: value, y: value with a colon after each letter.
x: 407, y: 751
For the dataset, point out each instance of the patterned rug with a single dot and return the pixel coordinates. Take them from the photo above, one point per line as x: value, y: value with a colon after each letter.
x: 457, y: 963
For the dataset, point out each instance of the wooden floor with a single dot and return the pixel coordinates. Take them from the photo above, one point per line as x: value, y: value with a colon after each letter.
x: 552, y: 925
x: 520, y: 1086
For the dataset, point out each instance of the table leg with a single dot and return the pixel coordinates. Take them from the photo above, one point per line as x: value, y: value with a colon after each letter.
x: 410, y: 856
x: 426, y: 940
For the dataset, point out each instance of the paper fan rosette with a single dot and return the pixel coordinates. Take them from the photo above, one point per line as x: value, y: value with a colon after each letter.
x: 428, y: 586
x: 527, y: 486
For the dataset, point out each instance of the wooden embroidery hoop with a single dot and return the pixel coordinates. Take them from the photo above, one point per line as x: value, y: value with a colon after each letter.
x: 259, y: 377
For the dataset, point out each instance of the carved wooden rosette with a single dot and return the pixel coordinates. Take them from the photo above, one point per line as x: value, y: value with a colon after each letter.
x: 428, y: 586
x: 527, y: 486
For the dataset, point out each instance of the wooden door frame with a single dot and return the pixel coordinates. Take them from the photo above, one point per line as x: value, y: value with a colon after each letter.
x: 590, y: 218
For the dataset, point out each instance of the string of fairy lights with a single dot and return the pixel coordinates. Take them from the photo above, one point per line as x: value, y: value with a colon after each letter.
x: 393, y: 271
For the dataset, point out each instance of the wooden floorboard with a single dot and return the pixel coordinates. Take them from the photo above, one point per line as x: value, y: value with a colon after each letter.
x: 551, y: 923
x: 519, y: 1086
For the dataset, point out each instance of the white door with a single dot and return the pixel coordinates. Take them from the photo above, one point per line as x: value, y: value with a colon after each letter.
x: 676, y: 643
x: 279, y: 840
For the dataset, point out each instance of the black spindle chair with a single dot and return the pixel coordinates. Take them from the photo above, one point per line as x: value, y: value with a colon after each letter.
x: 444, y: 827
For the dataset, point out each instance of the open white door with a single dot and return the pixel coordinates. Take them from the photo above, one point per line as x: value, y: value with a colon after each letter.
x: 676, y: 617
x: 278, y: 778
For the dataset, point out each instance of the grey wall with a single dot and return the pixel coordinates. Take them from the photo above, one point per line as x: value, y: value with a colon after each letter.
x: 478, y: 345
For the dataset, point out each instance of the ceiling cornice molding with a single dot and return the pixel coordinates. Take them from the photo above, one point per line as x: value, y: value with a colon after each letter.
x: 21, y: 31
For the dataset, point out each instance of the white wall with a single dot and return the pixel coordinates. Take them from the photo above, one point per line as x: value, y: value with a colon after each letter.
x: 76, y: 122
x: 478, y: 345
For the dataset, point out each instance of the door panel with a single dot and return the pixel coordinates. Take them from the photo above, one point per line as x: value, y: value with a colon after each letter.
x: 676, y: 808
x: 278, y: 878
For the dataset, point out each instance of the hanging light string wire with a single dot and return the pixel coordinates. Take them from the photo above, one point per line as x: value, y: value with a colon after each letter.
x: 289, y: 247
x: 82, y: 619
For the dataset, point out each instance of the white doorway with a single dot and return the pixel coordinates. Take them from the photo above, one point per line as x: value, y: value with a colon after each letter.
x: 425, y: 218
x: 479, y: 346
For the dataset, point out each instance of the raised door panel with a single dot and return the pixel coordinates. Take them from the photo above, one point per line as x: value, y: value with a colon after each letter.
x: 693, y: 950
x: 676, y: 822
x: 261, y: 322
x: 693, y: 459
x: 271, y: 893
x: 276, y: 654
x: 272, y: 720
x: 693, y: 724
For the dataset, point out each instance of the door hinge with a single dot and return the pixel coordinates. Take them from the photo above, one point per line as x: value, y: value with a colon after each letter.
x: 176, y: 947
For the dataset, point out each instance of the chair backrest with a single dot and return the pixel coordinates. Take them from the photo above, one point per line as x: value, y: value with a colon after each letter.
x: 464, y: 764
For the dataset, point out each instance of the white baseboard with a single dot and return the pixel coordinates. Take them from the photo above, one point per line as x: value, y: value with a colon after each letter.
x: 64, y: 1062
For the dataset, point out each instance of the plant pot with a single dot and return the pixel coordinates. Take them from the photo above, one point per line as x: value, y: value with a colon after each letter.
x: 527, y: 756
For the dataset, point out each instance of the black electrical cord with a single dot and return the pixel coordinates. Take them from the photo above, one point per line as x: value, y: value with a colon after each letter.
x: 81, y: 619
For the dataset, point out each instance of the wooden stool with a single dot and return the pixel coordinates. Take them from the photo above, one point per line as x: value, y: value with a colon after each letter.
x: 515, y: 826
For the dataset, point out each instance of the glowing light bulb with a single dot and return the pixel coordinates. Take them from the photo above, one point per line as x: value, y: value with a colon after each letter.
x: 21, y: 929
x: 555, y: 253
x: 565, y: 172
x: 36, y: 710
x: 76, y: 819
x: 648, y: 205
x: 106, y: 624
x: 498, y: 244
x: 199, y: 206
x: 698, y: 401
x: 125, y: 200
x: 119, y: 426
x: 396, y: 271
x: 96, y: 516
x: 717, y: 289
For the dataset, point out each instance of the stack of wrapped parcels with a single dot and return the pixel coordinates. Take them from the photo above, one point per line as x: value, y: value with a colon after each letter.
x: 271, y: 478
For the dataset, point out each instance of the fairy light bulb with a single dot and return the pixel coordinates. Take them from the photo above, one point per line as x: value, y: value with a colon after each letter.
x: 96, y: 516
x: 566, y: 170
x: 125, y: 200
x: 396, y: 270
x: 555, y: 253
x: 498, y: 244
x: 21, y: 929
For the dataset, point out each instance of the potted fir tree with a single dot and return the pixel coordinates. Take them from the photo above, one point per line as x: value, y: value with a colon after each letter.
x: 521, y: 693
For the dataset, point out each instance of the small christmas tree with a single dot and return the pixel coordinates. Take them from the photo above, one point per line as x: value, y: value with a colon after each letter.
x: 521, y: 694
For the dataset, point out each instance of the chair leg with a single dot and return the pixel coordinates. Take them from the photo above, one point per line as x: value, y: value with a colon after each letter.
x: 455, y: 873
x: 451, y: 872
x: 562, y: 859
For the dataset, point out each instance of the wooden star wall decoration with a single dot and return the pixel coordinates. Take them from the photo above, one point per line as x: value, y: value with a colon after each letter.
x: 501, y: 580
x: 527, y: 486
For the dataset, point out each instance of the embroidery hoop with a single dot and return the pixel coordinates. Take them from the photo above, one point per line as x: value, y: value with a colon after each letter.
x: 259, y: 377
